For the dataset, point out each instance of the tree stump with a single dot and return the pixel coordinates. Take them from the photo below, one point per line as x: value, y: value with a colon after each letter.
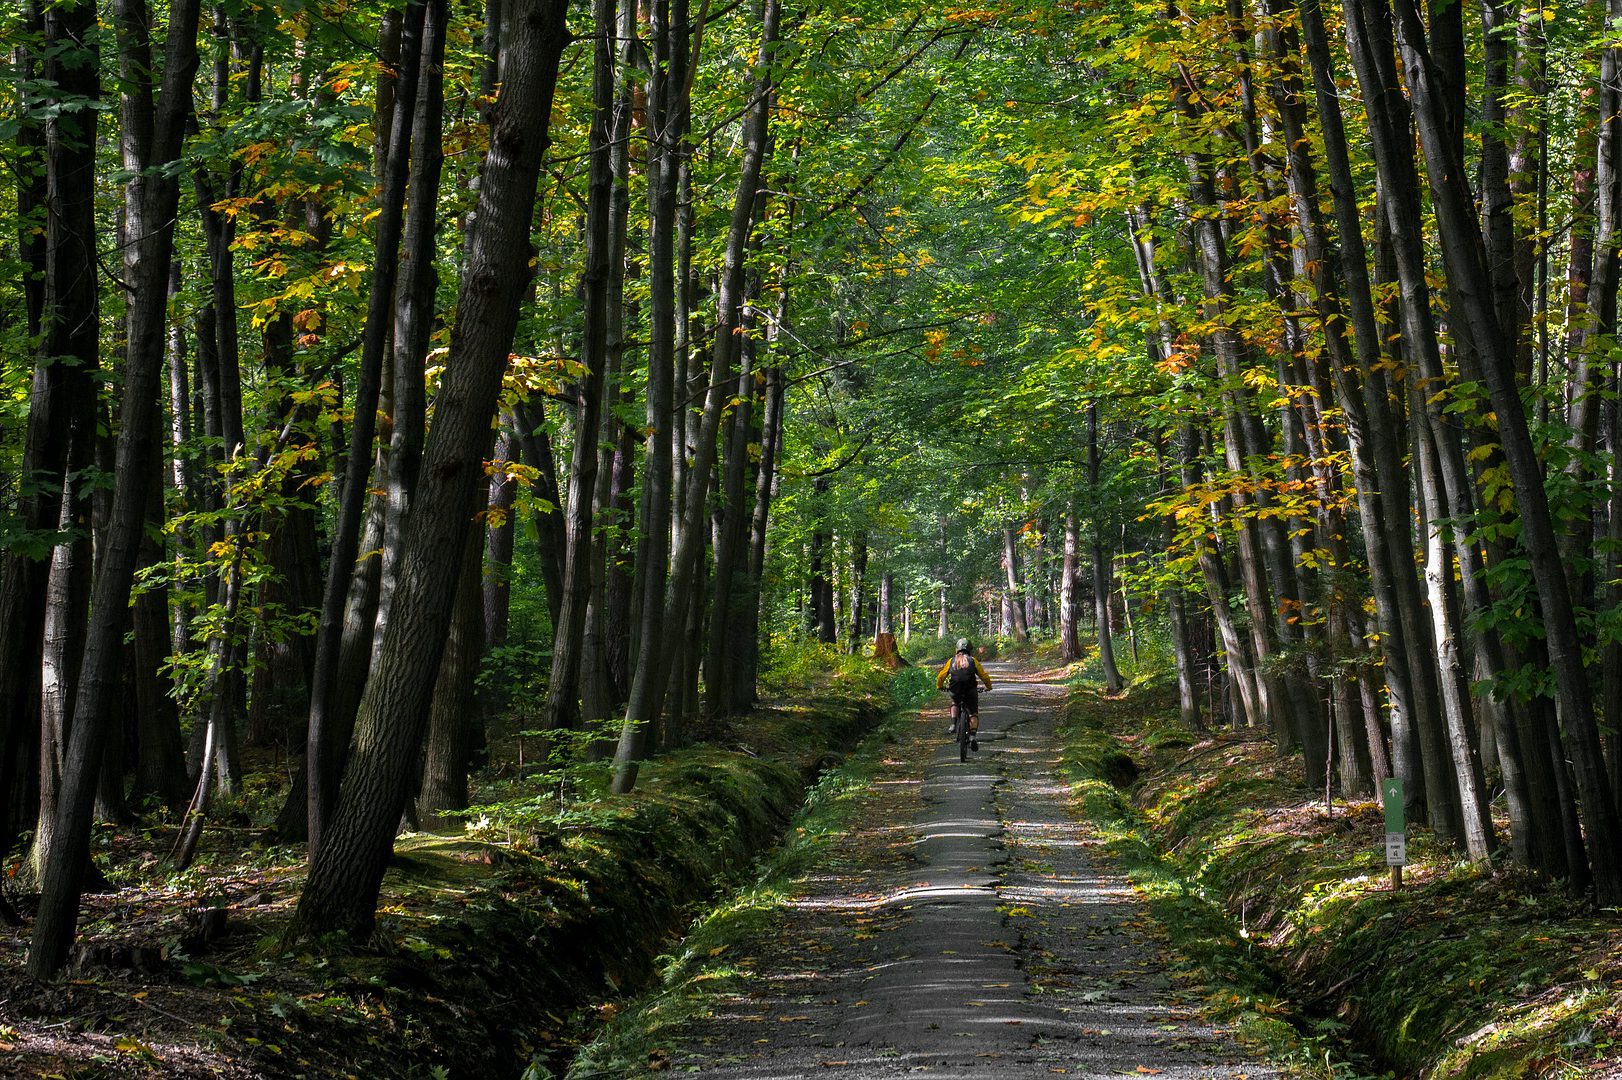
x: 886, y: 653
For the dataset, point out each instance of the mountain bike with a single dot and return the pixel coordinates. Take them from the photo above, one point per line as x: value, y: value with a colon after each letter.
x: 966, y: 740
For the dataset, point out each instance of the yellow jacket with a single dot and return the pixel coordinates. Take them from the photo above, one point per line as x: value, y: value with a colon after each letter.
x: 946, y: 672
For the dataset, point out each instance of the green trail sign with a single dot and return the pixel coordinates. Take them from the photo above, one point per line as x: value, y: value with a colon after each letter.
x: 1396, y: 825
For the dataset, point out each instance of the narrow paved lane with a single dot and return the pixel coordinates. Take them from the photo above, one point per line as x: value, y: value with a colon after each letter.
x: 964, y: 932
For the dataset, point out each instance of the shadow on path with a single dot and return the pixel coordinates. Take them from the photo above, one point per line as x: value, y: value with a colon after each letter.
x: 965, y: 931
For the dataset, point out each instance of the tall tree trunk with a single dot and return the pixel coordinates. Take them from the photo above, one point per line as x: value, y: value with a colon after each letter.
x: 858, y: 591
x: 55, y: 204
x: 730, y: 581
x: 1455, y: 682
x: 1101, y: 569
x: 1011, y: 575
x: 454, y: 714
x: 1264, y: 561
x: 765, y: 489
x: 67, y: 591
x: 328, y: 732
x: 498, y: 556
x: 665, y: 92
x: 1218, y: 588
x: 1069, y: 641
x: 161, y: 761
x: 562, y: 707
x: 643, y: 706
x: 1475, y: 324
x: 346, y: 870
x: 822, y: 592
x: 68, y: 26
x: 413, y: 315
x: 536, y: 445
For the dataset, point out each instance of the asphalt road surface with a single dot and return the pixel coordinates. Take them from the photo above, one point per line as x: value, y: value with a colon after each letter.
x: 964, y: 931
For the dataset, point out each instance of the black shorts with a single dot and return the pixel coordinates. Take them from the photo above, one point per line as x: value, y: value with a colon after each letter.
x: 968, y: 699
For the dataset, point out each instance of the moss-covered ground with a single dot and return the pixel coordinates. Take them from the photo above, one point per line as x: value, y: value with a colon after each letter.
x: 496, y: 949
x: 1287, y: 904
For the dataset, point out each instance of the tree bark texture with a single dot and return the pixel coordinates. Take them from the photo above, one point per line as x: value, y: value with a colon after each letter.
x: 346, y: 871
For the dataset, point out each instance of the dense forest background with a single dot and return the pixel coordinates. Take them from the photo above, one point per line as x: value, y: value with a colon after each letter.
x: 380, y: 381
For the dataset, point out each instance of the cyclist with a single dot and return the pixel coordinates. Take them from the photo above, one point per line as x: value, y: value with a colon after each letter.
x: 963, y: 674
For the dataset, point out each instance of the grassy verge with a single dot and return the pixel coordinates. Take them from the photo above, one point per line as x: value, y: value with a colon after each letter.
x: 1464, y: 973
x: 494, y: 947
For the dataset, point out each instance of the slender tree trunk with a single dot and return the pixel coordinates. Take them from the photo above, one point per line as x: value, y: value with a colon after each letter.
x: 858, y: 591
x: 643, y: 706
x: 1471, y: 280
x: 454, y: 714
x: 327, y: 732
x: 346, y: 870
x: 161, y: 761
x: 1263, y: 561
x: 67, y: 591
x: 498, y: 557
x: 1218, y: 588
x: 1101, y: 569
x: 68, y: 26
x: 22, y: 578
x: 824, y: 621
x: 1455, y: 683
x: 1015, y: 611
x: 413, y: 315
x: 536, y: 445
x: 665, y: 86
x: 1069, y: 641
x: 562, y: 708
x: 765, y: 488
x: 730, y: 582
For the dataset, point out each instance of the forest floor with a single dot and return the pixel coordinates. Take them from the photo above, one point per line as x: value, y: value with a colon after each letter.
x: 495, y: 948
x: 962, y: 925
x: 1286, y: 904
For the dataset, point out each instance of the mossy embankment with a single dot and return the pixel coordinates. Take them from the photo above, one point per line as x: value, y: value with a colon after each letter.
x: 1288, y: 909
x: 494, y: 948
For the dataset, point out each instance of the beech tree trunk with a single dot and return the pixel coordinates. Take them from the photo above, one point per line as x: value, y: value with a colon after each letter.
x: 666, y: 90
x: 413, y: 313
x: 1015, y: 610
x: 1476, y: 326
x: 1069, y: 640
x: 1101, y: 568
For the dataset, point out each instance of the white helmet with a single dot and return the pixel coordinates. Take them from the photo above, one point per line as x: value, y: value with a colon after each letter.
x: 962, y: 644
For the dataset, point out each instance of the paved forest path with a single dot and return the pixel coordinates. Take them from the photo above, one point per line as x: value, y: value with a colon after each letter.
x: 963, y: 931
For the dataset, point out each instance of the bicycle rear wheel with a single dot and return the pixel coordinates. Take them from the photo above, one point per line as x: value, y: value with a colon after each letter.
x: 962, y: 736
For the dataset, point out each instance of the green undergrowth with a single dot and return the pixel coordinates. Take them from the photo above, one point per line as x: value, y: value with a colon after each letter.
x: 495, y: 947
x: 1287, y: 909
x: 585, y: 899
x: 705, y: 964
